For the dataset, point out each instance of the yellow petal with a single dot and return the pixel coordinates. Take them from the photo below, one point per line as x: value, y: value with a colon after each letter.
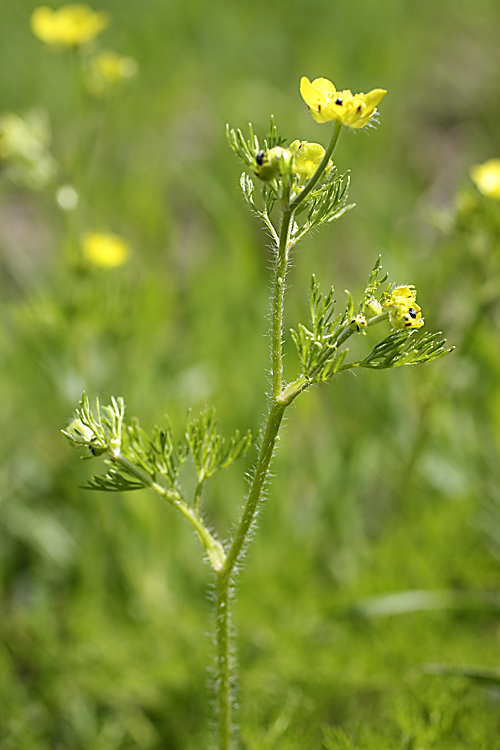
x: 42, y: 24
x: 325, y: 87
x: 316, y: 97
x: 374, y: 97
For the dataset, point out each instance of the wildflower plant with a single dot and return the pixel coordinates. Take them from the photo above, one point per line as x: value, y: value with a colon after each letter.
x: 293, y: 190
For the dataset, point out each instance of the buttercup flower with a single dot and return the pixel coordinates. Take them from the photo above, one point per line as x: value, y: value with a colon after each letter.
x: 487, y: 178
x: 105, y: 250
x: 306, y: 159
x: 326, y: 103
x: 106, y: 69
x: 69, y: 26
x: 403, y: 309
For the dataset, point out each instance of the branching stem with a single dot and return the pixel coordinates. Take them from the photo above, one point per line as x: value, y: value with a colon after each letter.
x: 282, y: 396
x: 213, y: 548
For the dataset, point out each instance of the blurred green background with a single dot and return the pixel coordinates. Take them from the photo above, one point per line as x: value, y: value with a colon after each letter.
x: 385, y: 482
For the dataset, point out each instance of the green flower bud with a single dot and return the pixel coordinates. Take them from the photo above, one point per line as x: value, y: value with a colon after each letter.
x: 358, y: 323
x: 80, y: 435
x: 373, y: 308
x: 270, y: 164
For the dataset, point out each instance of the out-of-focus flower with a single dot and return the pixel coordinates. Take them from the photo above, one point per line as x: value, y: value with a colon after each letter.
x: 306, y: 159
x: 24, y: 147
x: 403, y: 309
x: 326, y: 103
x: 69, y: 26
x: 67, y: 198
x: 107, y: 69
x: 105, y: 250
x: 487, y: 178
x: 269, y: 164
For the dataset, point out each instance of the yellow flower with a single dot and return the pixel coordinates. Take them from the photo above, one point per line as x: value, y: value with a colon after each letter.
x: 326, y: 103
x: 69, y: 26
x: 105, y: 250
x: 487, y: 178
x: 107, y: 69
x: 307, y: 158
x: 403, y: 309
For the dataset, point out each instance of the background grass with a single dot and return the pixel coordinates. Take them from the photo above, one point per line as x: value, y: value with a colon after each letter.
x: 385, y: 482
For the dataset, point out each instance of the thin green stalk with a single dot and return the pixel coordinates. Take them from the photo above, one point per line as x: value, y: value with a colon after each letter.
x: 259, y: 479
x: 278, y: 304
x: 300, y: 197
x: 213, y: 548
x: 281, y: 398
x: 224, y: 667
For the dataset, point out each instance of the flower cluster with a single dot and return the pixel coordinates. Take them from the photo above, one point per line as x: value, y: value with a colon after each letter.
x: 326, y: 103
x: 74, y: 26
x: 403, y: 309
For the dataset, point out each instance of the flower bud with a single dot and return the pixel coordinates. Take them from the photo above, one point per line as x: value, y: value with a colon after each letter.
x: 270, y: 164
x: 358, y: 323
x: 373, y: 308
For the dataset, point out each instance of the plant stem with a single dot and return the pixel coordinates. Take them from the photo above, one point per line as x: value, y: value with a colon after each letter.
x: 224, y: 667
x: 318, y: 173
x: 212, y: 547
x: 278, y: 303
x: 280, y: 399
x: 276, y: 411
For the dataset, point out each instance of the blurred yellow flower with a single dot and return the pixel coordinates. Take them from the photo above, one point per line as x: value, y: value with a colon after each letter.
x: 25, y: 148
x: 106, y: 69
x: 105, y: 250
x: 307, y: 158
x: 403, y: 309
x: 69, y: 26
x: 326, y: 103
x: 487, y: 178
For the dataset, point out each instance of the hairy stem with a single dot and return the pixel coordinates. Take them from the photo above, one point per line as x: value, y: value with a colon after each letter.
x: 224, y: 667
x: 278, y: 303
x: 281, y: 398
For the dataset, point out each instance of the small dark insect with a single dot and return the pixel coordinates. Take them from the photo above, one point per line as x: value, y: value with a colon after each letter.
x: 338, y: 101
x: 412, y: 313
x: 260, y: 157
x: 319, y: 107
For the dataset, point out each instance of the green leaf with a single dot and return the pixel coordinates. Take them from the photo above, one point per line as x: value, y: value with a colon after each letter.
x: 403, y: 348
x: 210, y: 452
